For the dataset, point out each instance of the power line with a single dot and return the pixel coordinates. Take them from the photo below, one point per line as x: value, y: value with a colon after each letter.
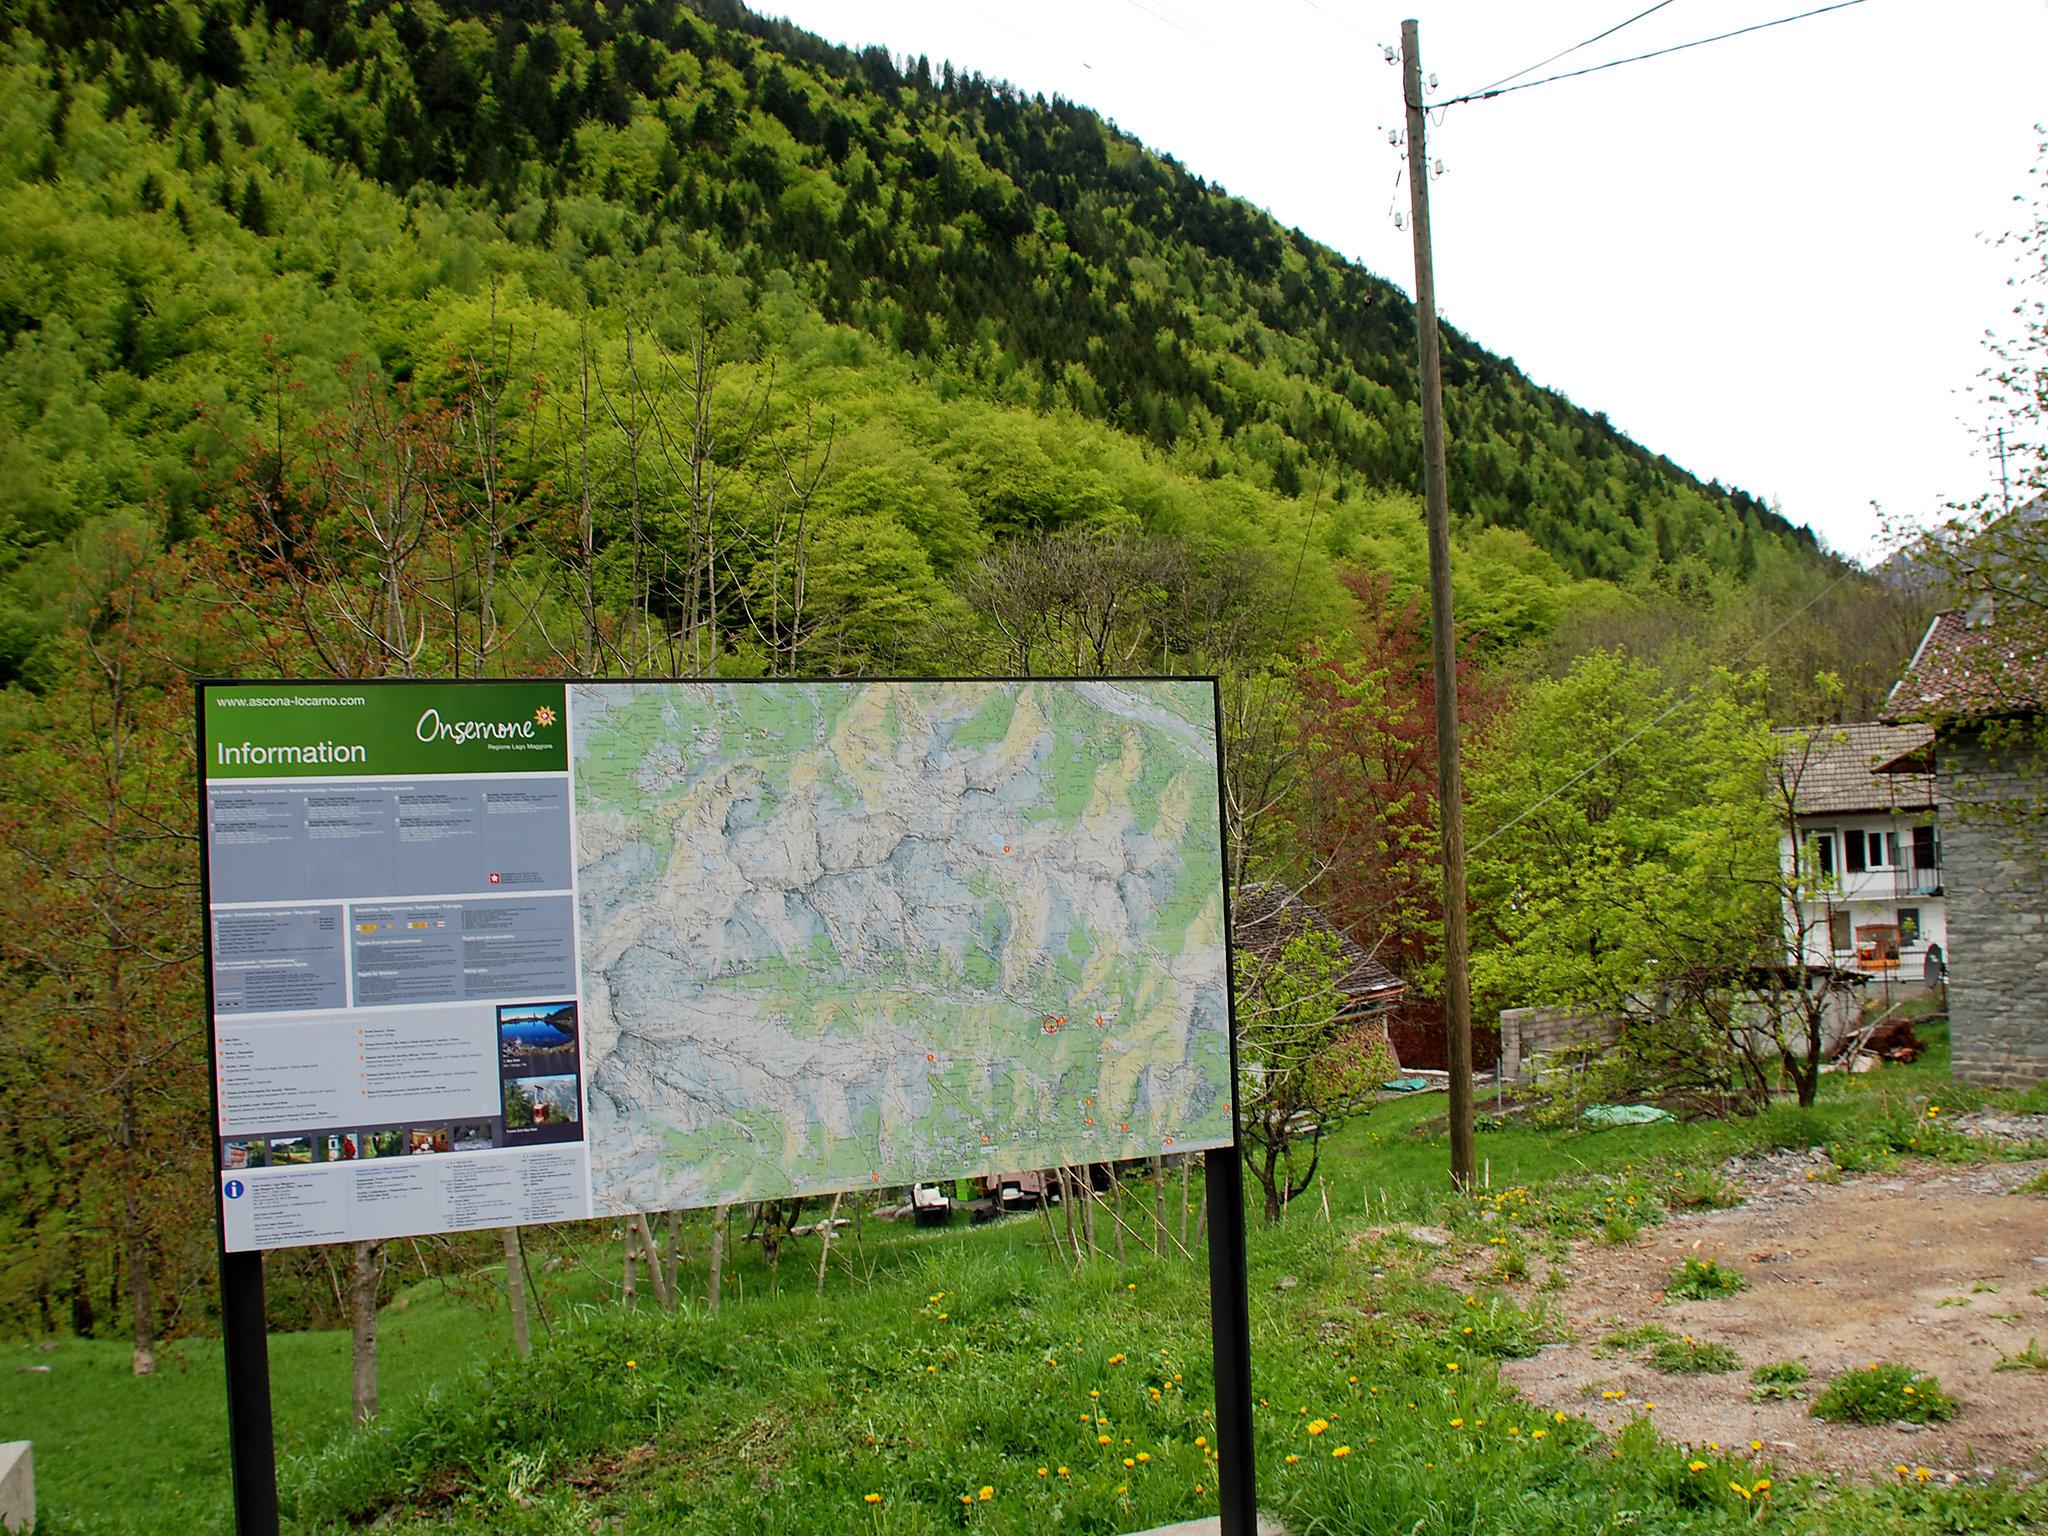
x: 1656, y: 53
x: 1575, y: 47
x: 1676, y: 704
x: 1337, y: 20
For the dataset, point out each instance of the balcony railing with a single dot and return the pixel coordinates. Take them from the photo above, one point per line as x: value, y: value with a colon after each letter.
x: 1917, y: 880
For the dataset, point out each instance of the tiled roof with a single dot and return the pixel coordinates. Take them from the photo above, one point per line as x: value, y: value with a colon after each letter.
x: 1265, y: 916
x: 1839, y: 770
x: 1973, y: 667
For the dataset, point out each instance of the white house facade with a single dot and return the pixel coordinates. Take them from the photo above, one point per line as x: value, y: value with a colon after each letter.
x: 1868, y: 861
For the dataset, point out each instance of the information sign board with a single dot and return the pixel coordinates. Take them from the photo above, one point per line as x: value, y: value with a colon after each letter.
x: 493, y: 953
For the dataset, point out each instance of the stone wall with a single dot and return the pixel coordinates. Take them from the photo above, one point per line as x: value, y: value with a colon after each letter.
x: 1526, y: 1033
x: 1996, y: 873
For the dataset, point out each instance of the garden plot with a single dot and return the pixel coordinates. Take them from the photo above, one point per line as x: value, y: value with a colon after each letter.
x: 1942, y: 1269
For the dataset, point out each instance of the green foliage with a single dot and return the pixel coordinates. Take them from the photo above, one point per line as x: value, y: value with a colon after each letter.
x: 1704, y: 1280
x: 1689, y: 1357
x: 1304, y: 1068
x: 1883, y: 1392
x: 1779, y: 1381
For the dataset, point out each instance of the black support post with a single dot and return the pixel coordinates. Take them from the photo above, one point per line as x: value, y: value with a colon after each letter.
x: 1230, y: 1323
x: 252, y: 1446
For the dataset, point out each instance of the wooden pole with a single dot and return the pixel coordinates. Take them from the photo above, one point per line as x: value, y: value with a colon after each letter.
x: 1443, y: 634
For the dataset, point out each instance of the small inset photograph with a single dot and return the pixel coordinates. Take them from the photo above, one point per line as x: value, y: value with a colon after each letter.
x: 341, y: 1147
x: 244, y: 1154
x: 290, y: 1151
x: 385, y: 1143
x: 471, y: 1136
x: 536, y: 1039
x: 535, y: 1103
x: 420, y: 1140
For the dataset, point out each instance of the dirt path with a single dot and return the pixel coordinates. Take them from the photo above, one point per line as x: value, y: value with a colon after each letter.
x: 1839, y: 1275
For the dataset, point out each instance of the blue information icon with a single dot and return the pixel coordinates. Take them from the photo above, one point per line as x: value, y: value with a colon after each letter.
x: 234, y: 1189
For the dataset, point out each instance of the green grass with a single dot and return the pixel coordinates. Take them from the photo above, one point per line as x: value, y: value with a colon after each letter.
x: 782, y: 1413
x: 1704, y: 1280
x: 1689, y: 1357
x: 1779, y: 1381
x: 1882, y: 1392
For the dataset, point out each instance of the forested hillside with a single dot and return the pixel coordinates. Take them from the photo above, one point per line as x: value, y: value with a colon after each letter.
x: 195, y: 199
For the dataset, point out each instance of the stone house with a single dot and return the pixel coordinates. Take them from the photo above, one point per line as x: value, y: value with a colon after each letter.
x: 1980, y: 679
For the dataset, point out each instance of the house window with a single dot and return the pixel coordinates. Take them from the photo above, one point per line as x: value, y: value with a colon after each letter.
x: 1909, y: 926
x: 1925, y: 855
x: 1823, y: 855
x: 1891, y: 850
x: 1839, y: 936
x: 1853, y: 847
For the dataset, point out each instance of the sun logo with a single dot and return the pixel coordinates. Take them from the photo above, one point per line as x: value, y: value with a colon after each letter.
x: 544, y: 716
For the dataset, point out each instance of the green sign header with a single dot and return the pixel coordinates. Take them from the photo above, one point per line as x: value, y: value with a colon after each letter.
x: 332, y: 730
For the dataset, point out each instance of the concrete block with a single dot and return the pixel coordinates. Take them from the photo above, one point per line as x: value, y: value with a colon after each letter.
x: 17, y: 1486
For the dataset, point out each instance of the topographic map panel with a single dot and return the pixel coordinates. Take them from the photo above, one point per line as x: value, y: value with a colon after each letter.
x: 839, y: 934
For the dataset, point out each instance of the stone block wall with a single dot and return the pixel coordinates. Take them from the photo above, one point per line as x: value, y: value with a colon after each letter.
x: 1995, y: 868
x: 1526, y: 1033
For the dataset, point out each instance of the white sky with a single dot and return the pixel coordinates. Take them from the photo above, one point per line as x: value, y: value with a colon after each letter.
x: 1767, y: 258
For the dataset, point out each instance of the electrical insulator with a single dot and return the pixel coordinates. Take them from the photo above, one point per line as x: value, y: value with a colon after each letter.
x: 1389, y: 52
x: 1394, y: 137
x: 1437, y: 169
x: 1400, y: 221
x: 1432, y: 82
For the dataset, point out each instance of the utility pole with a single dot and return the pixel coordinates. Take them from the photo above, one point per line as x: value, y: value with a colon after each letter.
x: 1450, y: 790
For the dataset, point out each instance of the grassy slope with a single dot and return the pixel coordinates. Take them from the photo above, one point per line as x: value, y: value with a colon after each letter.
x: 966, y: 1361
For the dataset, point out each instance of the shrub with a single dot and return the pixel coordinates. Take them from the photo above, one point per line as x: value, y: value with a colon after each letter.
x: 1689, y: 1357
x: 1780, y: 1381
x: 1883, y: 1392
x: 1705, y: 1280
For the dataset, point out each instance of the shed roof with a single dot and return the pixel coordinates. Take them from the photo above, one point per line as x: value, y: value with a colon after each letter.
x: 1264, y: 916
x: 1844, y: 768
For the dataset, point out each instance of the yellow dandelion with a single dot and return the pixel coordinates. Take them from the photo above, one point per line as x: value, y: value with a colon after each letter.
x: 987, y: 1493
x: 1291, y: 1460
x: 872, y: 1498
x: 1738, y: 1488
x: 1457, y: 1423
x: 1696, y: 1465
x: 1342, y: 1450
x: 1317, y: 1426
x: 1538, y: 1434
